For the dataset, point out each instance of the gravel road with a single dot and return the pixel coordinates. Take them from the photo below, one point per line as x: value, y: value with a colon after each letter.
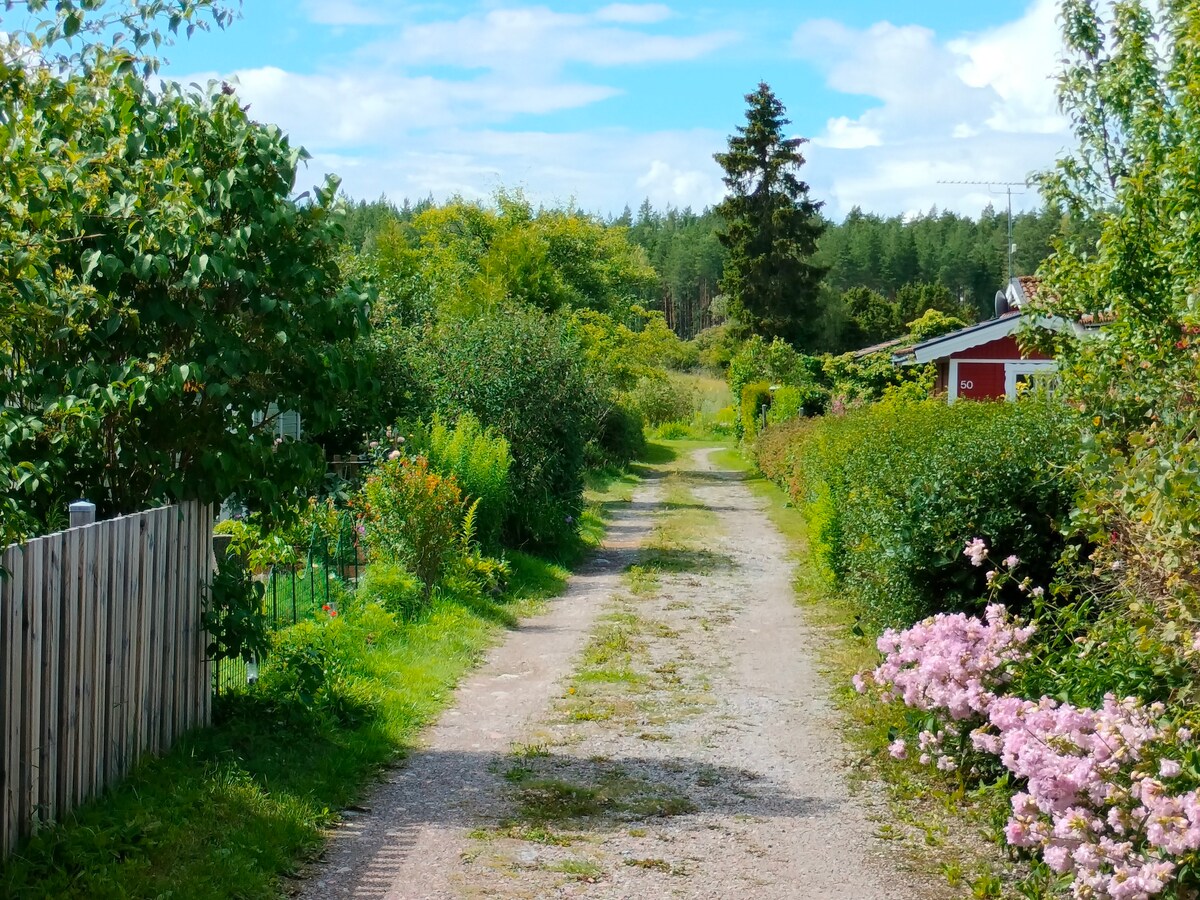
x: 661, y: 736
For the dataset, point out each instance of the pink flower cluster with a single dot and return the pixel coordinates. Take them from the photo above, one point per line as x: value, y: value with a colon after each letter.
x: 950, y: 663
x: 1093, y: 805
x: 1097, y: 803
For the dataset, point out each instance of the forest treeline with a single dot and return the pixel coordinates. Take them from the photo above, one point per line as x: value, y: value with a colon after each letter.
x: 882, y: 272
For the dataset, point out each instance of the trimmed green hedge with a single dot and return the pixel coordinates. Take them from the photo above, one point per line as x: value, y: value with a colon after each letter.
x: 893, y: 491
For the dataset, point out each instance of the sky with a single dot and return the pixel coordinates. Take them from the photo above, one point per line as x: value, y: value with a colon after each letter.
x: 603, y: 104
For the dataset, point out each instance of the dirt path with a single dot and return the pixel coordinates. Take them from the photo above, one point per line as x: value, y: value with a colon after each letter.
x: 662, y: 733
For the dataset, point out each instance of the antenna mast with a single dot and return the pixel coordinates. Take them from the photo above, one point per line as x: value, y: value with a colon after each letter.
x: 1007, y: 187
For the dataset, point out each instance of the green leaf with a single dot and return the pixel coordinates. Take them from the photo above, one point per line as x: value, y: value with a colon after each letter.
x: 89, y: 260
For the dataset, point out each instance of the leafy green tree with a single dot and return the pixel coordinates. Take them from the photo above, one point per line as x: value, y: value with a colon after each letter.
x: 1129, y: 84
x: 932, y: 323
x: 771, y: 226
x: 162, y: 287
x: 873, y: 317
x: 522, y: 372
x: 463, y: 258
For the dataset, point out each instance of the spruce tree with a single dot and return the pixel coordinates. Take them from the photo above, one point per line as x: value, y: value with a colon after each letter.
x: 770, y: 227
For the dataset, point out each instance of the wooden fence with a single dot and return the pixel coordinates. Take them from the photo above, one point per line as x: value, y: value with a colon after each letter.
x: 102, y: 657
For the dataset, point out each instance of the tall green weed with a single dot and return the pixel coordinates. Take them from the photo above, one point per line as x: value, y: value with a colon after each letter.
x: 479, y: 459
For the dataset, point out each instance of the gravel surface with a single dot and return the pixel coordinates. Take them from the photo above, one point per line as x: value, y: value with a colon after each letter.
x: 661, y: 738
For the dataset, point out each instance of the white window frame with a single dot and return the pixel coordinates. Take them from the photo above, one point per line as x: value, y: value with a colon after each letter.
x: 1025, y: 367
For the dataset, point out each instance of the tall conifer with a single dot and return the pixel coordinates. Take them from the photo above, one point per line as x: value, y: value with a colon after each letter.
x: 771, y: 227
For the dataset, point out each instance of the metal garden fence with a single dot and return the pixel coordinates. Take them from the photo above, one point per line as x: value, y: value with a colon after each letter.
x: 310, y: 583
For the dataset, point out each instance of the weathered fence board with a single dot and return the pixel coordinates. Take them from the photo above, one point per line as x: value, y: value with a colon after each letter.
x: 102, y: 657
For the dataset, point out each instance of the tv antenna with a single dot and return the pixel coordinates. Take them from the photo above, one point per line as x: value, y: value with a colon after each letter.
x: 1001, y: 187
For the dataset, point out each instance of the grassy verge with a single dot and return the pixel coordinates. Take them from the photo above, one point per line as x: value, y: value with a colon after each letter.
x: 234, y: 810
x: 946, y: 829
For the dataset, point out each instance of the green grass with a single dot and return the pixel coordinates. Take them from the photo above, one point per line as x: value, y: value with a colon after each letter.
x: 234, y: 810
x: 652, y: 864
x: 605, y: 490
x: 607, y: 794
x: 234, y: 807
x: 578, y: 869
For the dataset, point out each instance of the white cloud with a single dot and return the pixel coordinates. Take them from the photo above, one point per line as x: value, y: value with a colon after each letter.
x: 939, y: 109
x: 668, y: 185
x: 976, y: 107
x: 898, y: 178
x: 538, y: 38
x: 844, y: 134
x: 1017, y: 62
x: 592, y: 169
x: 387, y: 125
x: 634, y: 13
x: 343, y: 12
x: 338, y: 111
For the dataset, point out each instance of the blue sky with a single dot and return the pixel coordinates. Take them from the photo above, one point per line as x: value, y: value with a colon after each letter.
x: 604, y: 104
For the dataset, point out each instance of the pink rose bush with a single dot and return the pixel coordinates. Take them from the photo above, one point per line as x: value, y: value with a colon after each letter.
x: 1106, y: 800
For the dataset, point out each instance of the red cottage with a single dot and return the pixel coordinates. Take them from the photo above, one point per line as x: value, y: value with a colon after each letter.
x: 983, y: 361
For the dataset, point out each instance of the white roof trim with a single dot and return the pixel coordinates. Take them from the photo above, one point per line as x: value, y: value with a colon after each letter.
x: 974, y: 336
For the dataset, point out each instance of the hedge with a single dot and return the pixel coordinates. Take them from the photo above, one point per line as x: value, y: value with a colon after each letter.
x: 894, y: 490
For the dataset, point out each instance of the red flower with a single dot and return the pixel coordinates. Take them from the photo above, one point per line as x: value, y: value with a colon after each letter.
x: 333, y: 613
x: 325, y: 607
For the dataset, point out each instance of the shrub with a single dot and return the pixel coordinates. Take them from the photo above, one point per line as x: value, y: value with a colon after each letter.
x: 775, y: 363
x: 396, y: 590
x: 413, y: 515
x: 790, y: 402
x: 522, y: 373
x: 621, y: 436
x: 889, y: 490
x: 234, y: 614
x: 311, y: 667
x: 755, y: 396
x: 1107, y: 790
x: 660, y: 399
x: 772, y: 451
x: 933, y: 323
x: 479, y: 460
x: 717, y: 346
x: 674, y: 431
x: 867, y: 378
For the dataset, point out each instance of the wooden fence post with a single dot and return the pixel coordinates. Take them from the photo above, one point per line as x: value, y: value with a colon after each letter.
x: 82, y: 513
